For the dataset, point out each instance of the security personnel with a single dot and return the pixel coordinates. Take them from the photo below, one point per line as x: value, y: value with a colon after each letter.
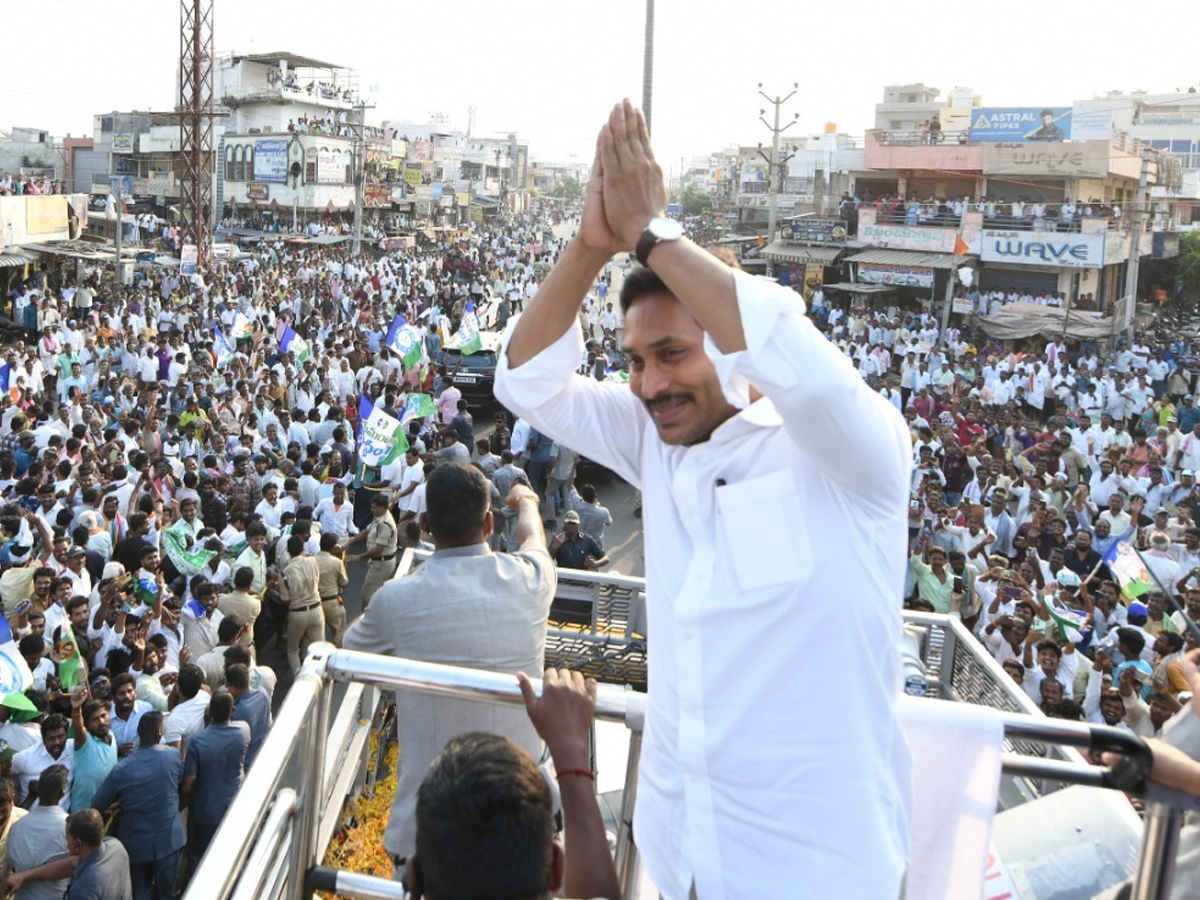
x: 380, y: 554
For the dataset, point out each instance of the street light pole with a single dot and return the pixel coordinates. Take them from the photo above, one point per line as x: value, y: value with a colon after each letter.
x: 773, y: 162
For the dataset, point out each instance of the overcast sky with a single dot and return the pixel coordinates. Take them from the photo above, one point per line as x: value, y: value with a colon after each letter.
x: 551, y: 70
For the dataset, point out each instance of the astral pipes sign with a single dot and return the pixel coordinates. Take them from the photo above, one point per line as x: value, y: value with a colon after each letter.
x: 1043, y: 248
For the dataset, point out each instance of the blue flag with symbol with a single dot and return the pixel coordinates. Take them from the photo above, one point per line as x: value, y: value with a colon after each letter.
x: 403, y: 340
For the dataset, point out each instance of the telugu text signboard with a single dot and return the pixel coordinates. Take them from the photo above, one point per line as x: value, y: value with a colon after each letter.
x: 123, y: 141
x: 1043, y: 248
x: 908, y: 237
x: 257, y: 191
x: 1017, y: 124
x: 895, y: 276
x: 1074, y: 160
x: 816, y: 231
x: 271, y: 161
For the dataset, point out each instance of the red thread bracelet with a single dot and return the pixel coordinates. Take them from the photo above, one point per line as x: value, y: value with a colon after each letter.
x: 582, y: 773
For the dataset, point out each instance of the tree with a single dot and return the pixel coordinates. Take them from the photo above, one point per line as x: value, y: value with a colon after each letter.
x: 570, y: 190
x: 693, y: 202
x: 1188, y: 264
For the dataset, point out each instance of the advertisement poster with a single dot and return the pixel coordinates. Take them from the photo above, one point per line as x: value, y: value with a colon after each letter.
x: 271, y: 161
x: 1017, y: 124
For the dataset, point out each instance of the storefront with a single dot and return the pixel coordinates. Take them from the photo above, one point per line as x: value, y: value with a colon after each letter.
x: 799, y: 265
x: 913, y: 275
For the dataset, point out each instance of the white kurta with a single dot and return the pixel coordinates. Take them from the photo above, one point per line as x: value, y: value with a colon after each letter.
x: 772, y: 761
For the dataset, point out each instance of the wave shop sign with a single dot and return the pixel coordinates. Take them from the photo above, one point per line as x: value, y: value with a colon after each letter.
x: 1043, y: 248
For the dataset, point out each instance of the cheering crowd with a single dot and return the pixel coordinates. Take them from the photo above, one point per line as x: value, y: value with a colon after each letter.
x: 1054, y: 504
x: 184, y: 481
x: 184, y: 477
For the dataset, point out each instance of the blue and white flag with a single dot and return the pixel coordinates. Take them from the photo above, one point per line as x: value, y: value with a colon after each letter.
x: 403, y: 340
x: 381, y: 437
x: 222, y: 347
x: 293, y: 343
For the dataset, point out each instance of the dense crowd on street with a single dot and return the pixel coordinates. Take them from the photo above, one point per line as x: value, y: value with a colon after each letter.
x: 182, y: 487
x: 1039, y: 471
x: 182, y: 490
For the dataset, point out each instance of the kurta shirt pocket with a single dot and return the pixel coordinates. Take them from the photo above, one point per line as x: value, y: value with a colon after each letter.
x: 767, y: 505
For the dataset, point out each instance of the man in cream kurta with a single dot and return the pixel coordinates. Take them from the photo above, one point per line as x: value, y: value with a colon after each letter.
x: 775, y: 544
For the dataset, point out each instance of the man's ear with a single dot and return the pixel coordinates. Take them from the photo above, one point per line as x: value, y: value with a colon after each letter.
x: 557, y: 863
x: 489, y: 524
x: 412, y: 874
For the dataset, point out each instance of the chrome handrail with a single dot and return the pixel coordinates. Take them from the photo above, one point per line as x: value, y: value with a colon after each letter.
x: 245, y: 846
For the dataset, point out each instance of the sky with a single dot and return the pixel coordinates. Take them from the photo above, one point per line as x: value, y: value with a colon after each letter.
x: 551, y: 70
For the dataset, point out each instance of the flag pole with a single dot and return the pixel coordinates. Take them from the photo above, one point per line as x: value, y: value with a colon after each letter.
x: 1191, y: 626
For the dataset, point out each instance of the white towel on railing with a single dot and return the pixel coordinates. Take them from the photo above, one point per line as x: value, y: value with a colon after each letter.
x: 956, y: 781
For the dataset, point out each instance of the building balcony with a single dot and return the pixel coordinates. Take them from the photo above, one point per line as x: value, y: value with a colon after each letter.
x: 309, y: 92
x: 901, y: 150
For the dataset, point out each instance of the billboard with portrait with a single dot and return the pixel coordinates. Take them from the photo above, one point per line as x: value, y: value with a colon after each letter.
x: 1017, y: 124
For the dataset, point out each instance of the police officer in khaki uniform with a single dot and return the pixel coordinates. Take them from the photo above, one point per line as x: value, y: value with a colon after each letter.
x: 380, y: 554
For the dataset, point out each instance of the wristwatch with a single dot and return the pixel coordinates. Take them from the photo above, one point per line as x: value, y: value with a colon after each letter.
x: 660, y: 229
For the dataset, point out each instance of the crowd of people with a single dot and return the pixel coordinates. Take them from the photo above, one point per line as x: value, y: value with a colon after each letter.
x: 1033, y: 468
x: 182, y: 492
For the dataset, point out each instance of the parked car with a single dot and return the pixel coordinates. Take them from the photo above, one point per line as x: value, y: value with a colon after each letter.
x: 476, y: 372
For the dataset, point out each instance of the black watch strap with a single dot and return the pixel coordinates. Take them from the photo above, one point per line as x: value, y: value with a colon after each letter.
x: 645, y: 244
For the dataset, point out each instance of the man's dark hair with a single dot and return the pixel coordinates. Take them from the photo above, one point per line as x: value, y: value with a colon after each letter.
x: 1051, y: 646
x: 149, y: 727
x: 220, y: 707
x: 86, y: 826
x: 191, y: 679
x: 638, y: 283
x: 457, y: 498
x: 238, y: 676
x: 483, y: 792
x: 52, y: 784
x: 243, y: 578
x: 1131, y: 638
x: 235, y: 654
x: 1174, y: 639
x: 228, y: 629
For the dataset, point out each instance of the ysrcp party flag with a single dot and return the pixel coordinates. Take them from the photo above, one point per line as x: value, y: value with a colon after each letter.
x: 466, y: 340
x: 189, y: 562
x: 223, y: 348
x: 241, y: 326
x: 381, y: 438
x: 15, y: 676
x: 417, y: 406
x: 1131, y: 573
x: 404, y: 341
x: 293, y: 343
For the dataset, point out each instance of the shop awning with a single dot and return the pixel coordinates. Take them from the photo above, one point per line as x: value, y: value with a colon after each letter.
x: 76, y: 250
x: 781, y: 252
x: 851, y: 288
x: 15, y: 258
x: 329, y: 239
x: 881, y: 257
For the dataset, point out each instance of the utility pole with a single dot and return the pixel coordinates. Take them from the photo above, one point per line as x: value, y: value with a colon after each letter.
x: 359, y: 126
x: 120, y: 224
x: 648, y: 65
x: 773, y: 162
x: 1135, y: 254
x: 952, y: 281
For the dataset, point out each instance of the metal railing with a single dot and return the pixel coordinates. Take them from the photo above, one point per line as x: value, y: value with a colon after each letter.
x: 282, y: 819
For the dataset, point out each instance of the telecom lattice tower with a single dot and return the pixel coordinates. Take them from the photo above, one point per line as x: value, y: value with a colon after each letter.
x: 195, y: 111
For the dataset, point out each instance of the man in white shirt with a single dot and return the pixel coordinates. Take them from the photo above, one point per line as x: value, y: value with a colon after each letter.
x: 726, y: 367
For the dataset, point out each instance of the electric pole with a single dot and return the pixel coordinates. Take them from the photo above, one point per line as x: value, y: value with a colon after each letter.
x: 773, y: 162
x: 1137, y: 228
x: 359, y: 126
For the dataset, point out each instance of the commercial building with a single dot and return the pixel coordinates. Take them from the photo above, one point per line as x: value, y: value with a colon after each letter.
x: 1033, y: 199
